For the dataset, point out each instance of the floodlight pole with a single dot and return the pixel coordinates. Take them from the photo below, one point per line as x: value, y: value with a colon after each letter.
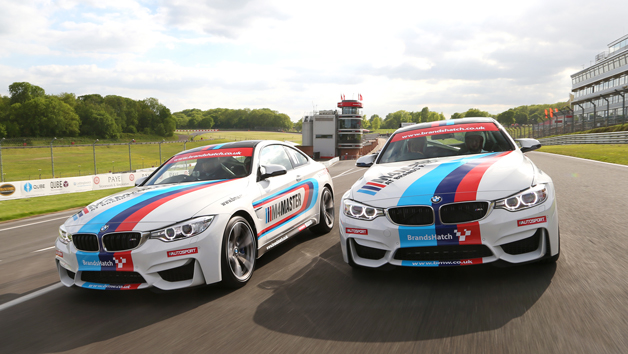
x: 161, y: 142
x: 94, y: 149
x: 130, y: 165
x: 1, y: 167
x: 52, y: 158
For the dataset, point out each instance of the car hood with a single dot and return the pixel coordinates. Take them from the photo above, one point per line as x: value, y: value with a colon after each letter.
x: 487, y: 176
x: 151, y: 207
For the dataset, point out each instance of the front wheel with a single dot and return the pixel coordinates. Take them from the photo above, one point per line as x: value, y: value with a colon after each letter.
x: 239, y: 251
x: 327, y: 213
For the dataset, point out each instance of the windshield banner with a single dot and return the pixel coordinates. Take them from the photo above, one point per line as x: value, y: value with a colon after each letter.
x: 449, y: 129
x: 212, y: 153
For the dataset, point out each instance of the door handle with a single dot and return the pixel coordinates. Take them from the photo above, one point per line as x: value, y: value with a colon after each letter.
x: 298, y: 178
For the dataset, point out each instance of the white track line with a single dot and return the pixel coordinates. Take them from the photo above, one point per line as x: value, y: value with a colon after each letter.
x: 30, y: 296
x: 34, y: 223
x: 345, y: 174
x: 44, y: 249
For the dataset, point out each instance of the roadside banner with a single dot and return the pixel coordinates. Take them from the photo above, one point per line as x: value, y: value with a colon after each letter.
x: 10, y: 190
x: 53, y: 186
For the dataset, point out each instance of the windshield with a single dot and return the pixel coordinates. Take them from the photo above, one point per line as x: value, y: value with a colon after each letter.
x: 447, y: 140
x: 204, y: 165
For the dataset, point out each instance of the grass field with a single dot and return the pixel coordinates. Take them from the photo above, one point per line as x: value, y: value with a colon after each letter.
x: 253, y: 135
x: 606, y: 153
x: 70, y: 161
x: 19, y: 208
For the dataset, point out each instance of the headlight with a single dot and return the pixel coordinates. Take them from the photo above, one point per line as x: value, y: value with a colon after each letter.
x: 360, y: 211
x: 183, y: 230
x: 526, y: 199
x: 64, y: 236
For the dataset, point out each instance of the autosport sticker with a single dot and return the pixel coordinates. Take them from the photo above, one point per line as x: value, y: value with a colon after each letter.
x: 377, y: 184
x: 212, y: 153
x: 458, y: 128
x: 183, y: 252
x: 355, y: 231
x: 105, y: 261
x: 532, y: 221
x: 281, y: 207
x: 455, y: 263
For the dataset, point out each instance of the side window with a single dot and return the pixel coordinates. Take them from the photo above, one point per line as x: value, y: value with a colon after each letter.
x: 275, y: 155
x: 297, y: 158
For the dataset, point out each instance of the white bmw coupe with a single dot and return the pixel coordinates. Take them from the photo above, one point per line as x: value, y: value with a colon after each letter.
x: 203, y: 217
x: 450, y: 193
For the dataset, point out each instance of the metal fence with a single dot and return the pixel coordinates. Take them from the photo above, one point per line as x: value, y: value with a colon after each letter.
x: 593, y: 138
x: 564, y: 126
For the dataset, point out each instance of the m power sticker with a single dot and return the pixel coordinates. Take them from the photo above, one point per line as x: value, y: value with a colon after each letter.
x: 532, y: 221
x: 283, y: 207
x: 280, y: 208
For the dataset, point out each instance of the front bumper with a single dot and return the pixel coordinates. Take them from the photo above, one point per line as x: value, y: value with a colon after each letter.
x: 513, y: 237
x: 164, y: 265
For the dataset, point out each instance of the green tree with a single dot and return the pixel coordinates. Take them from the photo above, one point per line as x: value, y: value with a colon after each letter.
x: 46, y: 116
x: 376, y: 122
x: 506, y: 118
x: 365, y: 122
x: 298, y: 126
x: 23, y: 91
x: 474, y: 112
x: 425, y: 114
x: 394, y: 120
x: 521, y: 117
x: 97, y: 122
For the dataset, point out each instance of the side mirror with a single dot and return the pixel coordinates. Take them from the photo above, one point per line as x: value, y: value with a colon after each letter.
x: 139, y: 181
x: 266, y: 171
x: 366, y: 161
x: 528, y: 144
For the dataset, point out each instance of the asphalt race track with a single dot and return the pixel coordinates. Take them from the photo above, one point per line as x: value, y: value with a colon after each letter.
x: 303, y: 298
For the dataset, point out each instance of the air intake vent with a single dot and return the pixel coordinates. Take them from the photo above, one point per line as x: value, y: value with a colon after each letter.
x: 463, y: 212
x: 443, y: 253
x: 85, y: 242
x: 121, y: 241
x: 413, y: 216
x: 526, y: 245
x: 114, y: 278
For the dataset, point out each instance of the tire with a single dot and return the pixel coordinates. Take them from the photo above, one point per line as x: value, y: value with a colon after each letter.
x: 327, y: 213
x: 239, y: 252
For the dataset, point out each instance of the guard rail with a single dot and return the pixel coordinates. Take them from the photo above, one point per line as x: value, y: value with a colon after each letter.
x: 592, y: 138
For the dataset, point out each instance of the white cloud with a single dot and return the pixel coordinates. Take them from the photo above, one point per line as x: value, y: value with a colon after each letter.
x: 288, y: 56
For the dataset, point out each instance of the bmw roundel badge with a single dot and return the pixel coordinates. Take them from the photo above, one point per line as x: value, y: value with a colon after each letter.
x: 436, y: 199
x: 104, y: 228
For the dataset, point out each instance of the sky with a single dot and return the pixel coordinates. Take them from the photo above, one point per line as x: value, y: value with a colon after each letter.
x: 294, y: 56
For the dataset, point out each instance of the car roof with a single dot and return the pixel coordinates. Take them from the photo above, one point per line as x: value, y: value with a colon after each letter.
x: 465, y: 120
